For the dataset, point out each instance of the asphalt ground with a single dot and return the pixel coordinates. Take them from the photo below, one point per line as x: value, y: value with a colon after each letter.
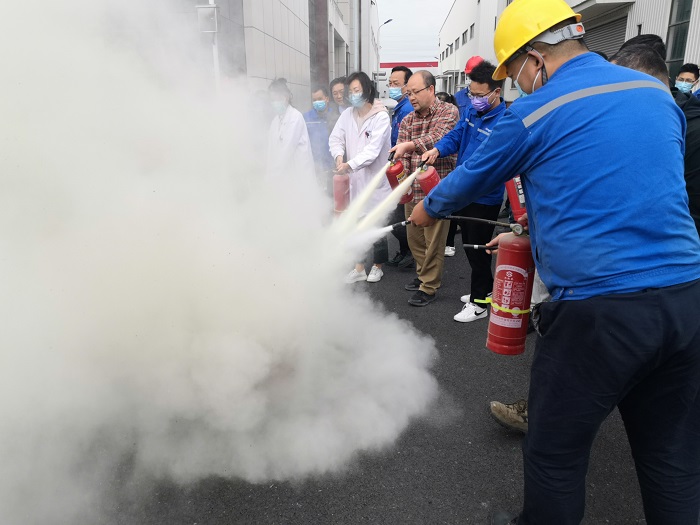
x: 453, y: 467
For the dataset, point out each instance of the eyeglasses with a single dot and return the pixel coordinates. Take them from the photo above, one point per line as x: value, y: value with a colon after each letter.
x: 414, y: 93
x: 473, y: 96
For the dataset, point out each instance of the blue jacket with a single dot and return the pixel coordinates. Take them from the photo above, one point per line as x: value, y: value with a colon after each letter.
x: 467, y: 136
x: 403, y: 108
x: 318, y: 127
x: 603, y: 180
x: 463, y: 101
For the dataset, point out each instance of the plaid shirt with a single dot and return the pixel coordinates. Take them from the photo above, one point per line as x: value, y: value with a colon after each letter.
x: 425, y: 132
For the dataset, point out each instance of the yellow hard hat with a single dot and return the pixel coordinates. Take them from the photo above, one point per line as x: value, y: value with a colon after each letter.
x: 521, y: 22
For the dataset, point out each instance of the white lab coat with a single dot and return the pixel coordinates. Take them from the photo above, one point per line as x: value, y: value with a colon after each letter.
x: 366, y: 148
x: 289, y: 149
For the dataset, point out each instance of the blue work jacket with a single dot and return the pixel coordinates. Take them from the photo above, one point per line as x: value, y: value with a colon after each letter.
x: 403, y: 108
x: 317, y: 126
x: 603, y: 180
x: 469, y: 133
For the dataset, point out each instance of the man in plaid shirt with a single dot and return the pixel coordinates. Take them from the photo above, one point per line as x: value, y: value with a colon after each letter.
x: 418, y: 133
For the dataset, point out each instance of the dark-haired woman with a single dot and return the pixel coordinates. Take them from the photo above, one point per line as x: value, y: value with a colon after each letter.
x: 363, y: 135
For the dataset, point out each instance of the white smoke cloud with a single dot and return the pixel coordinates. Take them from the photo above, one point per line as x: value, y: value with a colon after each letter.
x: 159, y: 300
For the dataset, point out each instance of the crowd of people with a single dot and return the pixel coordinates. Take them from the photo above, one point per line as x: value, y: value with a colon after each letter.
x: 609, y: 155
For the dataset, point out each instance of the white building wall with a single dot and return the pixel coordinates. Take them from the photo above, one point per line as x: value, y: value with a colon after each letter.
x: 652, y: 14
x: 692, y: 48
x: 452, y: 59
x: 277, y: 44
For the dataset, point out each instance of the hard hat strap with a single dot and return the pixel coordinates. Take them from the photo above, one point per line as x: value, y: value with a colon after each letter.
x: 570, y: 32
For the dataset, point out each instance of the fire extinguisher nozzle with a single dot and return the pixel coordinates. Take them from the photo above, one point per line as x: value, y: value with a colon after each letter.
x: 517, y: 229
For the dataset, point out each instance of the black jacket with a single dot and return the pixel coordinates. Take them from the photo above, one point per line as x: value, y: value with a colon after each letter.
x: 690, y: 105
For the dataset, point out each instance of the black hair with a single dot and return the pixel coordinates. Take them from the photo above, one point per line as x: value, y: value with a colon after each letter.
x: 407, y: 73
x: 427, y: 76
x: 446, y: 97
x: 690, y: 68
x: 279, y: 86
x: 320, y: 87
x: 653, y: 41
x: 368, y: 90
x: 605, y: 57
x: 483, y: 74
x: 642, y: 58
x: 339, y: 80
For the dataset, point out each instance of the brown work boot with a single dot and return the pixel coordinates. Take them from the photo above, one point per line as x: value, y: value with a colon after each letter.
x: 513, y: 416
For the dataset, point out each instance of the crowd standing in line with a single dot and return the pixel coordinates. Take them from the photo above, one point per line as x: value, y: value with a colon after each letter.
x: 647, y: 273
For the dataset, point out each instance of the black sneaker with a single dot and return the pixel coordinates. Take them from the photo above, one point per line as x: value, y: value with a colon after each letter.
x: 503, y: 518
x: 421, y: 298
x: 407, y: 261
x: 414, y: 285
x: 396, y: 259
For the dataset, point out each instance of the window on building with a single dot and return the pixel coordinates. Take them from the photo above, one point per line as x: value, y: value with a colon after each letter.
x: 456, y: 44
x: 442, y: 56
x: 471, y: 31
x: 465, y: 37
x: 639, y: 29
x: 677, y: 34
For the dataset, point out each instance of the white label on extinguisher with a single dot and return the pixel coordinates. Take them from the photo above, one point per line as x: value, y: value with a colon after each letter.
x: 508, y: 267
x: 508, y: 322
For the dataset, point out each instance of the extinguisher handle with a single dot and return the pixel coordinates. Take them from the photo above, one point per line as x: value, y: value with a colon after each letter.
x: 422, y: 164
x: 480, y: 247
x: 392, y: 155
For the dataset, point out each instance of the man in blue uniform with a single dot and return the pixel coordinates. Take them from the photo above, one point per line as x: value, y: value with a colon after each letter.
x: 397, y: 91
x: 474, y: 127
x: 319, y: 124
x: 615, y: 244
x: 462, y: 96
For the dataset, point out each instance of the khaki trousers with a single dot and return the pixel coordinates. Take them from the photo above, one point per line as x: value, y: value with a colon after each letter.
x: 428, y: 249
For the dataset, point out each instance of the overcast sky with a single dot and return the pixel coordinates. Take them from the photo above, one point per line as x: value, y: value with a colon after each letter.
x: 414, y: 32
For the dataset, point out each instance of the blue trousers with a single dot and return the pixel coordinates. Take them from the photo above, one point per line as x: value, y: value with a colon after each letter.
x: 641, y: 353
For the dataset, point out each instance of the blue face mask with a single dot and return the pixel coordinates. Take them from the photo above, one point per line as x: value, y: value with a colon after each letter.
x: 357, y: 100
x: 279, y: 106
x: 684, y: 87
x: 395, y: 93
x: 520, y: 90
x: 320, y: 105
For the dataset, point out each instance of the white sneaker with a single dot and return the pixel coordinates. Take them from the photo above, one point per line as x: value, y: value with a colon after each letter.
x: 375, y: 275
x: 354, y: 276
x: 470, y: 312
x: 465, y: 298
x: 450, y: 251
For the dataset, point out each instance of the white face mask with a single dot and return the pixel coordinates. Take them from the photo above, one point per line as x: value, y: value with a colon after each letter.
x: 517, y: 84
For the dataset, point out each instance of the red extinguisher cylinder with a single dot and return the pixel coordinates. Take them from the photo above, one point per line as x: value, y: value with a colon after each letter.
x: 512, y: 291
x: 396, y: 173
x: 428, y: 178
x: 516, y: 197
x: 341, y: 193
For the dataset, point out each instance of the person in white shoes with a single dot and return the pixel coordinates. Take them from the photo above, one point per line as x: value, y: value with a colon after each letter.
x: 363, y: 136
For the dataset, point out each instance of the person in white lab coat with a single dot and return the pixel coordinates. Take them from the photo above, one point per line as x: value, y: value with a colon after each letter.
x: 289, y: 157
x: 363, y: 136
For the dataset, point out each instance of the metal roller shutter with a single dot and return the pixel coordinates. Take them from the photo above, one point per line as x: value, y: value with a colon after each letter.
x: 608, y: 36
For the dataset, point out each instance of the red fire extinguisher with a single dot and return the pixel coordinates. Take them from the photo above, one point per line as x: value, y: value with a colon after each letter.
x: 341, y: 193
x: 396, y: 173
x: 512, y: 291
x: 516, y: 197
x: 428, y: 178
